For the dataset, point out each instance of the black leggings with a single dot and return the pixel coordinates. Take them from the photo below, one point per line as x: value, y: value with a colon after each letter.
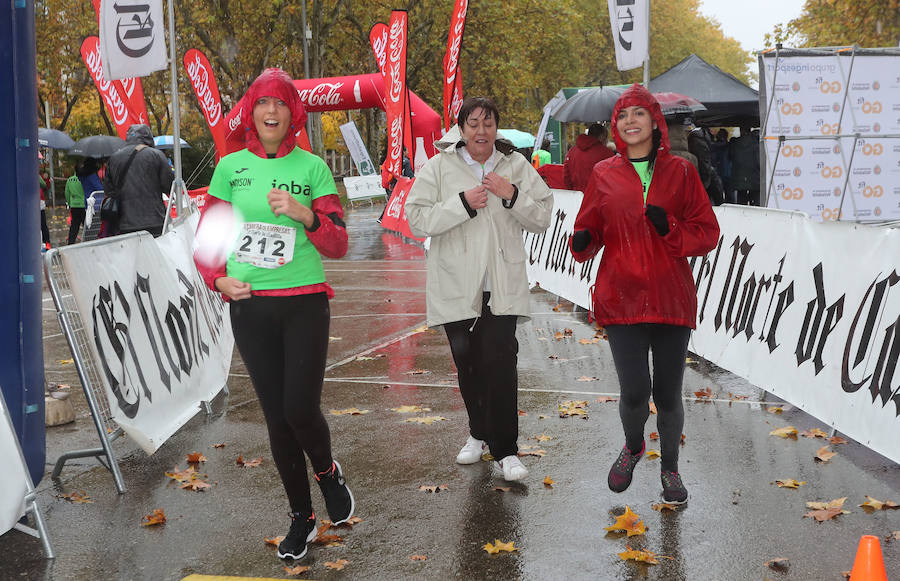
x: 284, y: 344
x: 485, y: 351
x: 630, y: 345
x: 78, y: 215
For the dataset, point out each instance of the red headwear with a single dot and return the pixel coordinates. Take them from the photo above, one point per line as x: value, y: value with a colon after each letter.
x: 638, y: 96
x: 272, y: 82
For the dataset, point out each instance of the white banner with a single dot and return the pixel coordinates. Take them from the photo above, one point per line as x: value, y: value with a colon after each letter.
x: 809, y: 312
x: 363, y: 187
x: 630, y: 21
x: 132, y: 38
x: 13, y: 485
x: 357, y: 148
x: 161, y: 339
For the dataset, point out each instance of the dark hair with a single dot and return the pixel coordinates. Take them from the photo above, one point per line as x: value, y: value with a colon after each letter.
x: 472, y: 103
x: 597, y: 129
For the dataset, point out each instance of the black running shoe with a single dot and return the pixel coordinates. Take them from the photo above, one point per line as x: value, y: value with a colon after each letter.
x: 619, y: 478
x: 338, y: 498
x: 303, y: 530
x: 674, y: 491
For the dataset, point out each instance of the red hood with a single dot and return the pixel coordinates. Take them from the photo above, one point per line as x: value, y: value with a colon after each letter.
x: 584, y: 142
x: 638, y: 96
x: 272, y: 83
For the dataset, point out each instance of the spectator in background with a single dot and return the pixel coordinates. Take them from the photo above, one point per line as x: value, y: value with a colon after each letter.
x: 699, y: 144
x: 541, y: 156
x: 718, y: 149
x: 744, y: 153
x: 678, y: 140
x: 75, y: 201
x: 589, y: 149
x: 90, y: 180
x: 44, y: 183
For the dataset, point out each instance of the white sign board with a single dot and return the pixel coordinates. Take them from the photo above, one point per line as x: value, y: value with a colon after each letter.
x: 363, y: 187
x: 132, y: 38
x: 630, y: 21
x: 13, y: 485
x: 162, y: 340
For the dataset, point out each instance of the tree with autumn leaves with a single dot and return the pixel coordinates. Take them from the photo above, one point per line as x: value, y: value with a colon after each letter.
x: 869, y: 24
x: 521, y: 53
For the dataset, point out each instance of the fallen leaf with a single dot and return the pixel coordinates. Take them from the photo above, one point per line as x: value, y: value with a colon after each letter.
x: 824, y: 454
x: 248, y: 463
x: 190, y: 473
x: 555, y: 309
x: 553, y: 357
x: 683, y: 439
x: 586, y: 378
x: 648, y: 557
x: 814, y: 433
x: 274, y: 541
x: 333, y: 339
x: 349, y: 412
x: 410, y: 409
x: 522, y: 413
x: 502, y: 488
x: 157, y: 517
x: 296, y: 569
x: 535, y: 453
x: 428, y: 420
x: 661, y: 506
x: 571, y: 408
x: 836, y: 503
x: 195, y: 485
x: 894, y: 536
x: 785, y: 432
x: 542, y: 417
x: 736, y: 397
x: 652, y: 454
x: 486, y: 457
x: 434, y: 488
x: 543, y: 438
x: 498, y: 546
x: 220, y: 445
x: 606, y: 399
x: 825, y: 514
x: 688, y: 360
x: 874, y: 504
x: 353, y: 520
x: 65, y: 361
x: 195, y: 458
x: 778, y: 564
x: 369, y: 357
x: 774, y: 410
x: 76, y: 497
x: 629, y: 523
x: 652, y: 408
x: 548, y: 482
x: 838, y: 440
x: 418, y: 372
x: 789, y: 483
x: 704, y: 394
x: 589, y: 341
x: 654, y: 436
x: 560, y: 335
x: 417, y: 557
x: 337, y: 565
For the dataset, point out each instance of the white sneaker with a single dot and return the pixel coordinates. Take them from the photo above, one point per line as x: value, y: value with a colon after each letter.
x: 512, y: 468
x: 471, y: 452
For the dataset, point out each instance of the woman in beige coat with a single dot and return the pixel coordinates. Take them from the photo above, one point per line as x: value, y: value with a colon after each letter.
x: 474, y: 198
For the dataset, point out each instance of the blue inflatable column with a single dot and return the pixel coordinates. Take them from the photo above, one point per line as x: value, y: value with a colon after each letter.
x: 21, y: 348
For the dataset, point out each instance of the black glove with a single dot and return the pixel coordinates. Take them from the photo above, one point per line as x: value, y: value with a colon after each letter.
x: 581, y: 240
x: 658, y: 218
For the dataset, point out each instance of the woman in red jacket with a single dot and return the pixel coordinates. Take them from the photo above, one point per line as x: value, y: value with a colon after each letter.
x: 648, y: 211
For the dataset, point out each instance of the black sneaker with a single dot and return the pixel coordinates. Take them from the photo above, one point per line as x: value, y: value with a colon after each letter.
x: 303, y: 530
x: 674, y: 491
x: 619, y: 478
x: 338, y: 498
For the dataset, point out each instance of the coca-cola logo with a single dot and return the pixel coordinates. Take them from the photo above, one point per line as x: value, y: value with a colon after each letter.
x: 397, y: 41
x: 200, y: 78
x: 114, y: 101
x: 129, y: 83
x: 396, y: 142
x: 396, y: 206
x: 455, y: 103
x: 234, y: 122
x: 396, y: 84
x: 453, y: 53
x: 323, y: 94
x: 379, y: 47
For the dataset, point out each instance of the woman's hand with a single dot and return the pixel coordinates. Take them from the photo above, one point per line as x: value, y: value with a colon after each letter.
x: 282, y: 202
x: 476, y: 197
x: 499, y: 186
x: 233, y: 288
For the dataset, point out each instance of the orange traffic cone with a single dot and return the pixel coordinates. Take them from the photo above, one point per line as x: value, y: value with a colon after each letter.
x: 869, y: 565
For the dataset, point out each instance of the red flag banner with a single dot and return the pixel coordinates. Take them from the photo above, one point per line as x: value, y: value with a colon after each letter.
x: 378, y: 38
x: 395, y: 91
x: 207, y: 90
x: 112, y: 92
x: 395, y: 214
x: 452, y: 78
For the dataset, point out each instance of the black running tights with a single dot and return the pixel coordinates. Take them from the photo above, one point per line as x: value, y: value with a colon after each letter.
x: 630, y: 345
x: 284, y: 344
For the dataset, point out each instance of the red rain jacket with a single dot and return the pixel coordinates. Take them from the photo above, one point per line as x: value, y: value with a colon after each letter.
x: 644, y: 277
x: 587, y: 152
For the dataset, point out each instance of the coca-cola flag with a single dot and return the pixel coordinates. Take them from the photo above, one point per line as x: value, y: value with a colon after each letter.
x: 132, y: 38
x: 134, y: 90
x: 395, y: 213
x: 378, y: 38
x: 204, y: 82
x: 452, y: 76
x: 630, y: 20
x: 112, y: 92
x: 395, y: 98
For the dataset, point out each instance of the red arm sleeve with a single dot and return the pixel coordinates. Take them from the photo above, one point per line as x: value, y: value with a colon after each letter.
x: 589, y: 219
x: 696, y: 231
x: 328, y: 234
x: 211, y: 267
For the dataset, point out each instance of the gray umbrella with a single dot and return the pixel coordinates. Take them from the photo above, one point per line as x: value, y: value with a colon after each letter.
x: 97, y: 146
x: 589, y: 105
x: 54, y: 138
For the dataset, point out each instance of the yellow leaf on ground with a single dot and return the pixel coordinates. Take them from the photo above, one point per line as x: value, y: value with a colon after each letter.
x: 486, y: 457
x: 543, y: 438
x: 874, y: 504
x: 349, y: 412
x: 195, y: 485
x: 629, y: 523
x: 838, y: 440
x: 65, y: 361
x: 571, y: 408
x: 662, y: 506
x: 274, y: 541
x: 195, y: 458
x: 337, y: 565
x: 652, y: 454
x: 502, y: 488
x: 499, y: 546
x: 606, y: 399
x: 789, y: 483
x: 410, y: 409
x: 76, y: 497
x: 825, y: 514
x: 248, y: 463
x: 648, y: 557
x: 536, y: 453
x: 824, y: 454
x: 428, y: 420
x: 836, y: 503
x: 814, y: 433
x: 548, y: 482
x: 774, y: 409
x: 785, y: 432
x: 157, y: 517
x: 589, y: 341
x: 296, y: 569
x: 353, y: 520
x: 417, y: 557
x: 333, y: 339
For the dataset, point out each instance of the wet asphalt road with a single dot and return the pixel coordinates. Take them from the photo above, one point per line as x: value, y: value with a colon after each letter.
x: 382, y: 357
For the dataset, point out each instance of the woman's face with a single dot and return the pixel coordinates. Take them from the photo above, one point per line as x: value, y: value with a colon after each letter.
x: 272, y: 119
x: 480, y: 131
x: 635, y: 126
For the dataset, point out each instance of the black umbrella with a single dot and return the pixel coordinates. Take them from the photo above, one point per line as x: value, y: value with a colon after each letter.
x: 589, y: 105
x: 54, y: 138
x: 97, y: 146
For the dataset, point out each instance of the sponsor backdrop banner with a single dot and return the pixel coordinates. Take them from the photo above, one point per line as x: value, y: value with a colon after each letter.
x: 630, y: 20
x: 132, y: 38
x: 840, y: 115
x: 13, y: 484
x: 207, y: 91
x: 161, y: 339
x: 809, y: 312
